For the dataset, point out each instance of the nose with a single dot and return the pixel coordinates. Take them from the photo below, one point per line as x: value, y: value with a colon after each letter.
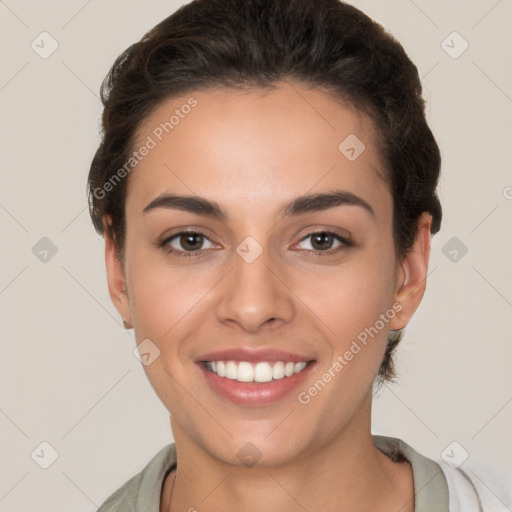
x: 254, y: 294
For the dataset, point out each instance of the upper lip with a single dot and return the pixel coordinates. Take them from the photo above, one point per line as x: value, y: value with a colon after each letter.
x: 253, y: 355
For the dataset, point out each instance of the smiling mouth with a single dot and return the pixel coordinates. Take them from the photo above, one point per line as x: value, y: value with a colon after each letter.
x: 263, y: 371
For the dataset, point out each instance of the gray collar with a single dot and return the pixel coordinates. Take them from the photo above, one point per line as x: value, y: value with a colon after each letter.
x: 430, y: 487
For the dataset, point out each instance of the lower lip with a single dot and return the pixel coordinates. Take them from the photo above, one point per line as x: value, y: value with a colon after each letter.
x: 254, y: 393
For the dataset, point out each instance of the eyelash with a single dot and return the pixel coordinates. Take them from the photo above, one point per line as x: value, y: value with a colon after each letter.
x: 193, y: 254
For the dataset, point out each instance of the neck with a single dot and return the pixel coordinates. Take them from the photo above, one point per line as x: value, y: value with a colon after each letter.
x: 346, y: 473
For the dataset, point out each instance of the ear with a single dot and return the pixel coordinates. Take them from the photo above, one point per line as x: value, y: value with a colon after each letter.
x: 412, y: 276
x: 115, y: 275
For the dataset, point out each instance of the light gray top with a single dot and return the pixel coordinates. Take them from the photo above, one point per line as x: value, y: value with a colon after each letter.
x: 142, y: 492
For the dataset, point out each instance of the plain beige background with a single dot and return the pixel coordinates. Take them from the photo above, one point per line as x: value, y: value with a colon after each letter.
x: 68, y: 374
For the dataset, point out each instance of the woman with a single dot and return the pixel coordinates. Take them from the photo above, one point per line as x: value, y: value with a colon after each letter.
x: 266, y: 186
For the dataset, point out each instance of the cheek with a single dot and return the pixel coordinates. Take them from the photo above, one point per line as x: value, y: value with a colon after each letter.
x: 161, y: 296
x: 165, y: 304
x: 355, y: 303
x: 350, y: 298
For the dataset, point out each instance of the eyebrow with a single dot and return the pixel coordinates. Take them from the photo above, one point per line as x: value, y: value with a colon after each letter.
x: 300, y: 205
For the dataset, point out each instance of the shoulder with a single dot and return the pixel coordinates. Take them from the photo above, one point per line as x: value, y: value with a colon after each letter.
x: 142, y: 491
x: 471, y: 485
x: 477, y: 483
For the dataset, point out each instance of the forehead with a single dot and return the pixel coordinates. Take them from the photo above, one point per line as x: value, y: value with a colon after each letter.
x: 258, y: 143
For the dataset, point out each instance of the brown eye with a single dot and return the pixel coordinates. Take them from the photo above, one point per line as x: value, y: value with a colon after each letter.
x: 322, y: 242
x: 186, y: 243
x: 191, y: 241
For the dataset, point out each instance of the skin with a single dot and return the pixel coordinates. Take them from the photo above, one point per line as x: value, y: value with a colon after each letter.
x: 253, y: 152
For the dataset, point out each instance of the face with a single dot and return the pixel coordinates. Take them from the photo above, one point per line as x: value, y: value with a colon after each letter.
x: 287, y: 275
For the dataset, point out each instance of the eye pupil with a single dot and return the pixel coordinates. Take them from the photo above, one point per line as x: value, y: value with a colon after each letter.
x: 187, y: 240
x: 320, y: 240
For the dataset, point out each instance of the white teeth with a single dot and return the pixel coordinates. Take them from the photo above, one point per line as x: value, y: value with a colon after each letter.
x: 278, y: 370
x: 231, y: 370
x: 263, y: 372
x: 244, y: 371
x: 288, y: 369
x: 221, y: 369
x: 299, y: 367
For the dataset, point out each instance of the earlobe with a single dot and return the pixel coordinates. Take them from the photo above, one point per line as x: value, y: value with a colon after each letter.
x: 115, y: 276
x: 413, y: 275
